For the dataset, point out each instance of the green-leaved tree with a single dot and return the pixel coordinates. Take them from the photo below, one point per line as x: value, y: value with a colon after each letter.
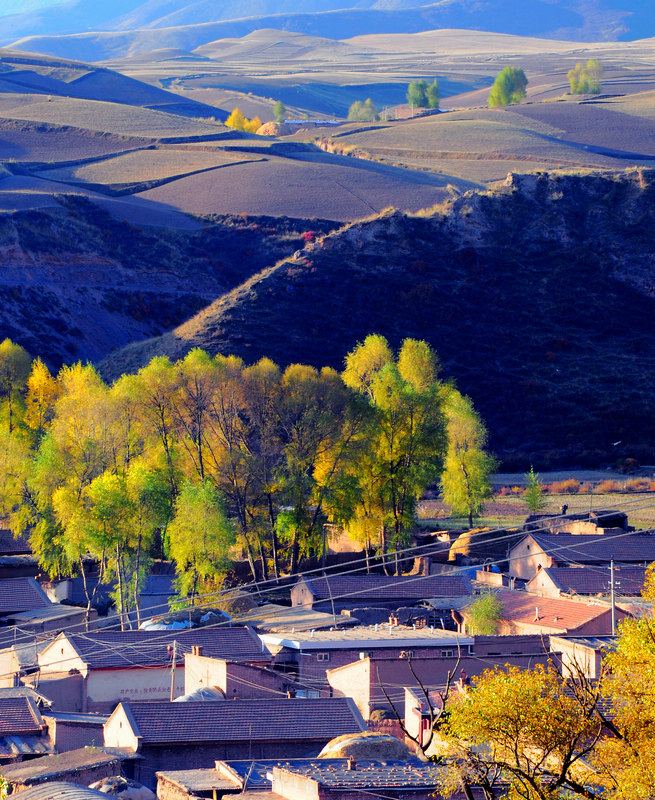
x: 420, y: 94
x: 465, y: 482
x: 279, y: 110
x: 363, y: 112
x: 534, y: 492
x: 508, y: 88
x: 585, y: 78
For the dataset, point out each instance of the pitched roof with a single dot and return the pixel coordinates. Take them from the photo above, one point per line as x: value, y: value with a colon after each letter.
x: 598, y: 548
x: 243, y: 720
x: 581, y: 580
x: 547, y: 612
x: 11, y: 545
x: 365, y: 588
x: 19, y: 715
x: 21, y: 594
x: 113, y: 649
x: 47, y: 767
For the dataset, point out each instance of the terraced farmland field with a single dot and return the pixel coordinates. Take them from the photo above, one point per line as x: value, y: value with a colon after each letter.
x: 338, y: 190
x: 146, y: 166
x: 96, y: 115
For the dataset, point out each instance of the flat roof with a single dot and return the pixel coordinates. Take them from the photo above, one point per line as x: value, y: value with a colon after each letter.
x: 198, y: 780
x: 367, y: 636
x: 377, y: 775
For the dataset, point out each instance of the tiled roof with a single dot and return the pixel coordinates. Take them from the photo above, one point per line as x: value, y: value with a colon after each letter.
x: 60, y: 790
x: 40, y: 769
x: 580, y: 580
x: 244, y: 720
x: 598, y: 548
x: 107, y: 649
x: 11, y: 546
x: 383, y: 587
x: 19, y: 715
x: 370, y: 775
x: 21, y: 594
x: 547, y: 612
x: 25, y: 691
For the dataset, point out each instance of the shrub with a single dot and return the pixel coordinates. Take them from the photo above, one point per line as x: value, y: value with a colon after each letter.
x: 570, y: 486
x: 608, y: 487
x: 638, y: 485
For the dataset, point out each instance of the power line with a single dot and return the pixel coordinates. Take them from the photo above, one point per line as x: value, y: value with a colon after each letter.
x: 165, y: 637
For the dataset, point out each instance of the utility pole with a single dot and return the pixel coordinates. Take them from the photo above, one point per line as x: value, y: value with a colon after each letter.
x: 173, y: 665
x: 612, y: 597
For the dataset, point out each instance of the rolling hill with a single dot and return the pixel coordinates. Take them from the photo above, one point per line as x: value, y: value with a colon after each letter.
x: 539, y: 297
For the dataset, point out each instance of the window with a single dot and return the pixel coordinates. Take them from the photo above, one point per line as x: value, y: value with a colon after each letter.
x: 447, y: 654
x: 307, y: 693
x: 322, y: 656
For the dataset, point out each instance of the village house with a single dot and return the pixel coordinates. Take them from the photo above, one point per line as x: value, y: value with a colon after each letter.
x: 21, y: 594
x: 95, y: 671
x: 544, y: 550
x: 348, y: 779
x: 72, y: 731
x: 171, y: 736
x: 587, y: 581
x: 524, y: 613
x: 581, y: 653
x: 307, y: 656
x: 235, y: 680
x: 379, y: 680
x: 23, y: 731
x: 298, y: 779
x: 82, y: 766
x: 19, y: 655
x: 333, y: 593
x: 599, y: 522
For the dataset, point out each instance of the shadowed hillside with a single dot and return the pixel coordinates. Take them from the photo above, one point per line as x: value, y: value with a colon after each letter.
x: 539, y: 297
x: 76, y: 282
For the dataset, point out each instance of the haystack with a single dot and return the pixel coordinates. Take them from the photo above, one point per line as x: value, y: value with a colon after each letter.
x: 275, y: 129
x: 373, y: 746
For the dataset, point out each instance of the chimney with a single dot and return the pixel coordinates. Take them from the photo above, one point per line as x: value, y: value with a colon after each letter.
x: 536, y: 614
x: 352, y: 764
x: 196, y: 649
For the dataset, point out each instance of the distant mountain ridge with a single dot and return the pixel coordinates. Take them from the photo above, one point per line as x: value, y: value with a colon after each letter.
x: 189, y: 25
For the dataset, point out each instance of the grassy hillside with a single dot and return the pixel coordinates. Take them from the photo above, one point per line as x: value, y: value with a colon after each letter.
x: 538, y: 297
x: 45, y: 78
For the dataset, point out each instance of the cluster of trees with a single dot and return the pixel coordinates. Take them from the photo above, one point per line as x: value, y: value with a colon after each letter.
x: 420, y: 94
x: 363, y: 112
x: 208, y: 452
x: 240, y: 122
x: 508, y: 88
x: 585, y: 78
x: 546, y: 734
